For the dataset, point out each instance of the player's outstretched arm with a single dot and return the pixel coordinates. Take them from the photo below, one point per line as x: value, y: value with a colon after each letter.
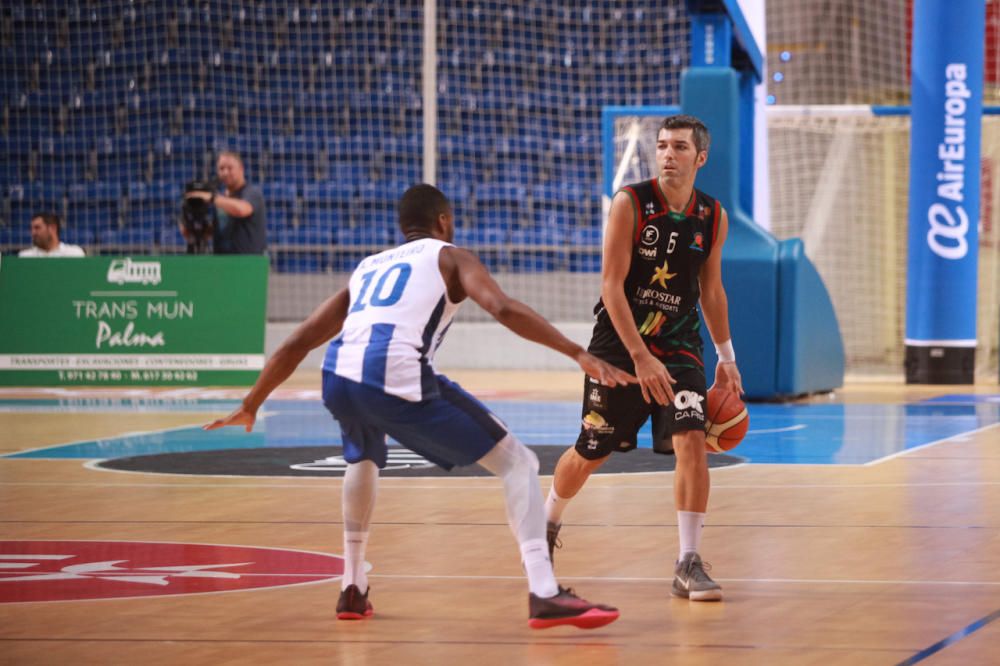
x: 465, y: 276
x: 715, y: 308
x: 324, y: 323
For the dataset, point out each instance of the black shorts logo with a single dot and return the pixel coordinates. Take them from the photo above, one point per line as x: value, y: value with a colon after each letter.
x: 688, y: 406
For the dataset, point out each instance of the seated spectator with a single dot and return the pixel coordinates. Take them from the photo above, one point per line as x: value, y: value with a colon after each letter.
x: 45, y: 239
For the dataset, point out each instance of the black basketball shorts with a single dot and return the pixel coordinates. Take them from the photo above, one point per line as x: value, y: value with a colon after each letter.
x: 612, y: 416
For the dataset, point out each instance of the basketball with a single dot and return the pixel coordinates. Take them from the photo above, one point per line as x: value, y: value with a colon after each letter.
x: 727, y: 421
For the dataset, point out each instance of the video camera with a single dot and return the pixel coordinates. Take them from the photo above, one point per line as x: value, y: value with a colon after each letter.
x: 198, y: 216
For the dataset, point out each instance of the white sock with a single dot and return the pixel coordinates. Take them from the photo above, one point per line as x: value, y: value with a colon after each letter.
x: 689, y: 525
x: 354, y: 560
x: 535, y: 557
x: 517, y: 467
x: 360, y: 485
x: 554, y: 507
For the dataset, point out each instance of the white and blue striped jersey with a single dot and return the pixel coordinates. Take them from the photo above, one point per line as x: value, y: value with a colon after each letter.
x: 398, y: 315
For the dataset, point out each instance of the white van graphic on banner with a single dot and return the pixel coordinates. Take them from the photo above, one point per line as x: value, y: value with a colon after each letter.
x: 135, y: 272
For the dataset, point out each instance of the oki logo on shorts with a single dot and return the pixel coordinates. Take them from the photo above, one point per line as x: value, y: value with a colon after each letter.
x: 688, y: 406
x: 79, y: 570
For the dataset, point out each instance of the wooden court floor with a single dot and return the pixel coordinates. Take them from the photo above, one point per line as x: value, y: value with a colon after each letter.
x: 897, y: 562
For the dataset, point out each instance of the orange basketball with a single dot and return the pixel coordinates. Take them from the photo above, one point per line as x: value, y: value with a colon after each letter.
x: 727, y: 421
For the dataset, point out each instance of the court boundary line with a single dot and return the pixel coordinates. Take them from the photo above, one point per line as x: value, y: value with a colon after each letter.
x: 948, y: 641
x: 136, y: 433
x: 904, y: 452
x: 551, y: 641
x: 496, y: 486
x: 598, y: 579
x: 668, y: 579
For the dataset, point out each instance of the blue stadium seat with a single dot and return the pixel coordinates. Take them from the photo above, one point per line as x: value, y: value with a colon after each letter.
x: 556, y: 194
x: 331, y: 194
x: 17, y: 146
x: 32, y: 123
x: 352, y: 147
x: 347, y: 172
x: 36, y: 193
x: 517, y: 172
x: 12, y: 171
x: 561, y: 221
x: 249, y: 147
x: 77, y: 235
x: 459, y: 166
x: 163, y: 192
x: 380, y: 194
x: 94, y: 205
x: 307, y: 235
x: 152, y: 216
x: 488, y: 243
x: 133, y: 237
x: 119, y: 169
x: 301, y: 262
x: 546, y: 256
x: 457, y: 190
x: 60, y: 169
x: 27, y: 199
x: 482, y: 235
x: 366, y: 236
x: 324, y: 216
x: 500, y: 194
x: 293, y: 253
x: 170, y: 239
x: 73, y: 146
x: 499, y: 217
x: 587, y: 236
x: 280, y: 194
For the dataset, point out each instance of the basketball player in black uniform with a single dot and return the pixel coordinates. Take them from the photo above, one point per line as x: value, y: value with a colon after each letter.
x: 662, y: 255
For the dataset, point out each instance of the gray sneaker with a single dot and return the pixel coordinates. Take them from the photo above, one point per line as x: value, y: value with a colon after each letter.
x: 691, y: 581
x: 552, y: 536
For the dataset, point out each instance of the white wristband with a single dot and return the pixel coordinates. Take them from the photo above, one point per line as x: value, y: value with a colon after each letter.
x: 726, y: 352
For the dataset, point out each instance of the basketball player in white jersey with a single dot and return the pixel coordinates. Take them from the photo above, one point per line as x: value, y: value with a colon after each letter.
x: 378, y: 380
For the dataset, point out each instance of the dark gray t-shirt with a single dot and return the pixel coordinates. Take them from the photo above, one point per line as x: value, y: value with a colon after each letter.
x: 242, y: 235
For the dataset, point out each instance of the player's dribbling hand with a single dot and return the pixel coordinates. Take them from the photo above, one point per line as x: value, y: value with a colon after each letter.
x: 602, y: 371
x: 240, y: 417
x: 654, y: 380
x: 727, y: 377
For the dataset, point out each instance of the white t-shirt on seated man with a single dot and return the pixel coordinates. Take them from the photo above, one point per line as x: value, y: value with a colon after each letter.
x: 45, y: 239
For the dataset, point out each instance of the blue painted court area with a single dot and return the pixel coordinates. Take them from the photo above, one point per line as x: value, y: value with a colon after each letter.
x: 824, y: 434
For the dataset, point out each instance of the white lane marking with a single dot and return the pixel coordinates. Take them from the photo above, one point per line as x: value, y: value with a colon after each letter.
x: 660, y: 579
x: 489, y: 483
x: 961, y: 436
x: 762, y: 431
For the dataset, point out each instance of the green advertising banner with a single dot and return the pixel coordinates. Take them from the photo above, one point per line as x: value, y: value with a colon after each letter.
x: 151, y: 321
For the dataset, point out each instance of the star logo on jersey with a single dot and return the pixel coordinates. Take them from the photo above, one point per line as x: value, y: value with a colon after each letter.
x: 661, y: 275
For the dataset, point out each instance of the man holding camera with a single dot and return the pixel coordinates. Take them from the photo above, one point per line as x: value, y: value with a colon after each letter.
x: 241, y: 224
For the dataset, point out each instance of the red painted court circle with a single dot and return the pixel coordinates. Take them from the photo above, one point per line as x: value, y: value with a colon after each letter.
x: 32, y: 571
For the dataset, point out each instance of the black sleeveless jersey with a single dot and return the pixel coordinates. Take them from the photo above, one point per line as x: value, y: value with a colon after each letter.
x: 668, y: 250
